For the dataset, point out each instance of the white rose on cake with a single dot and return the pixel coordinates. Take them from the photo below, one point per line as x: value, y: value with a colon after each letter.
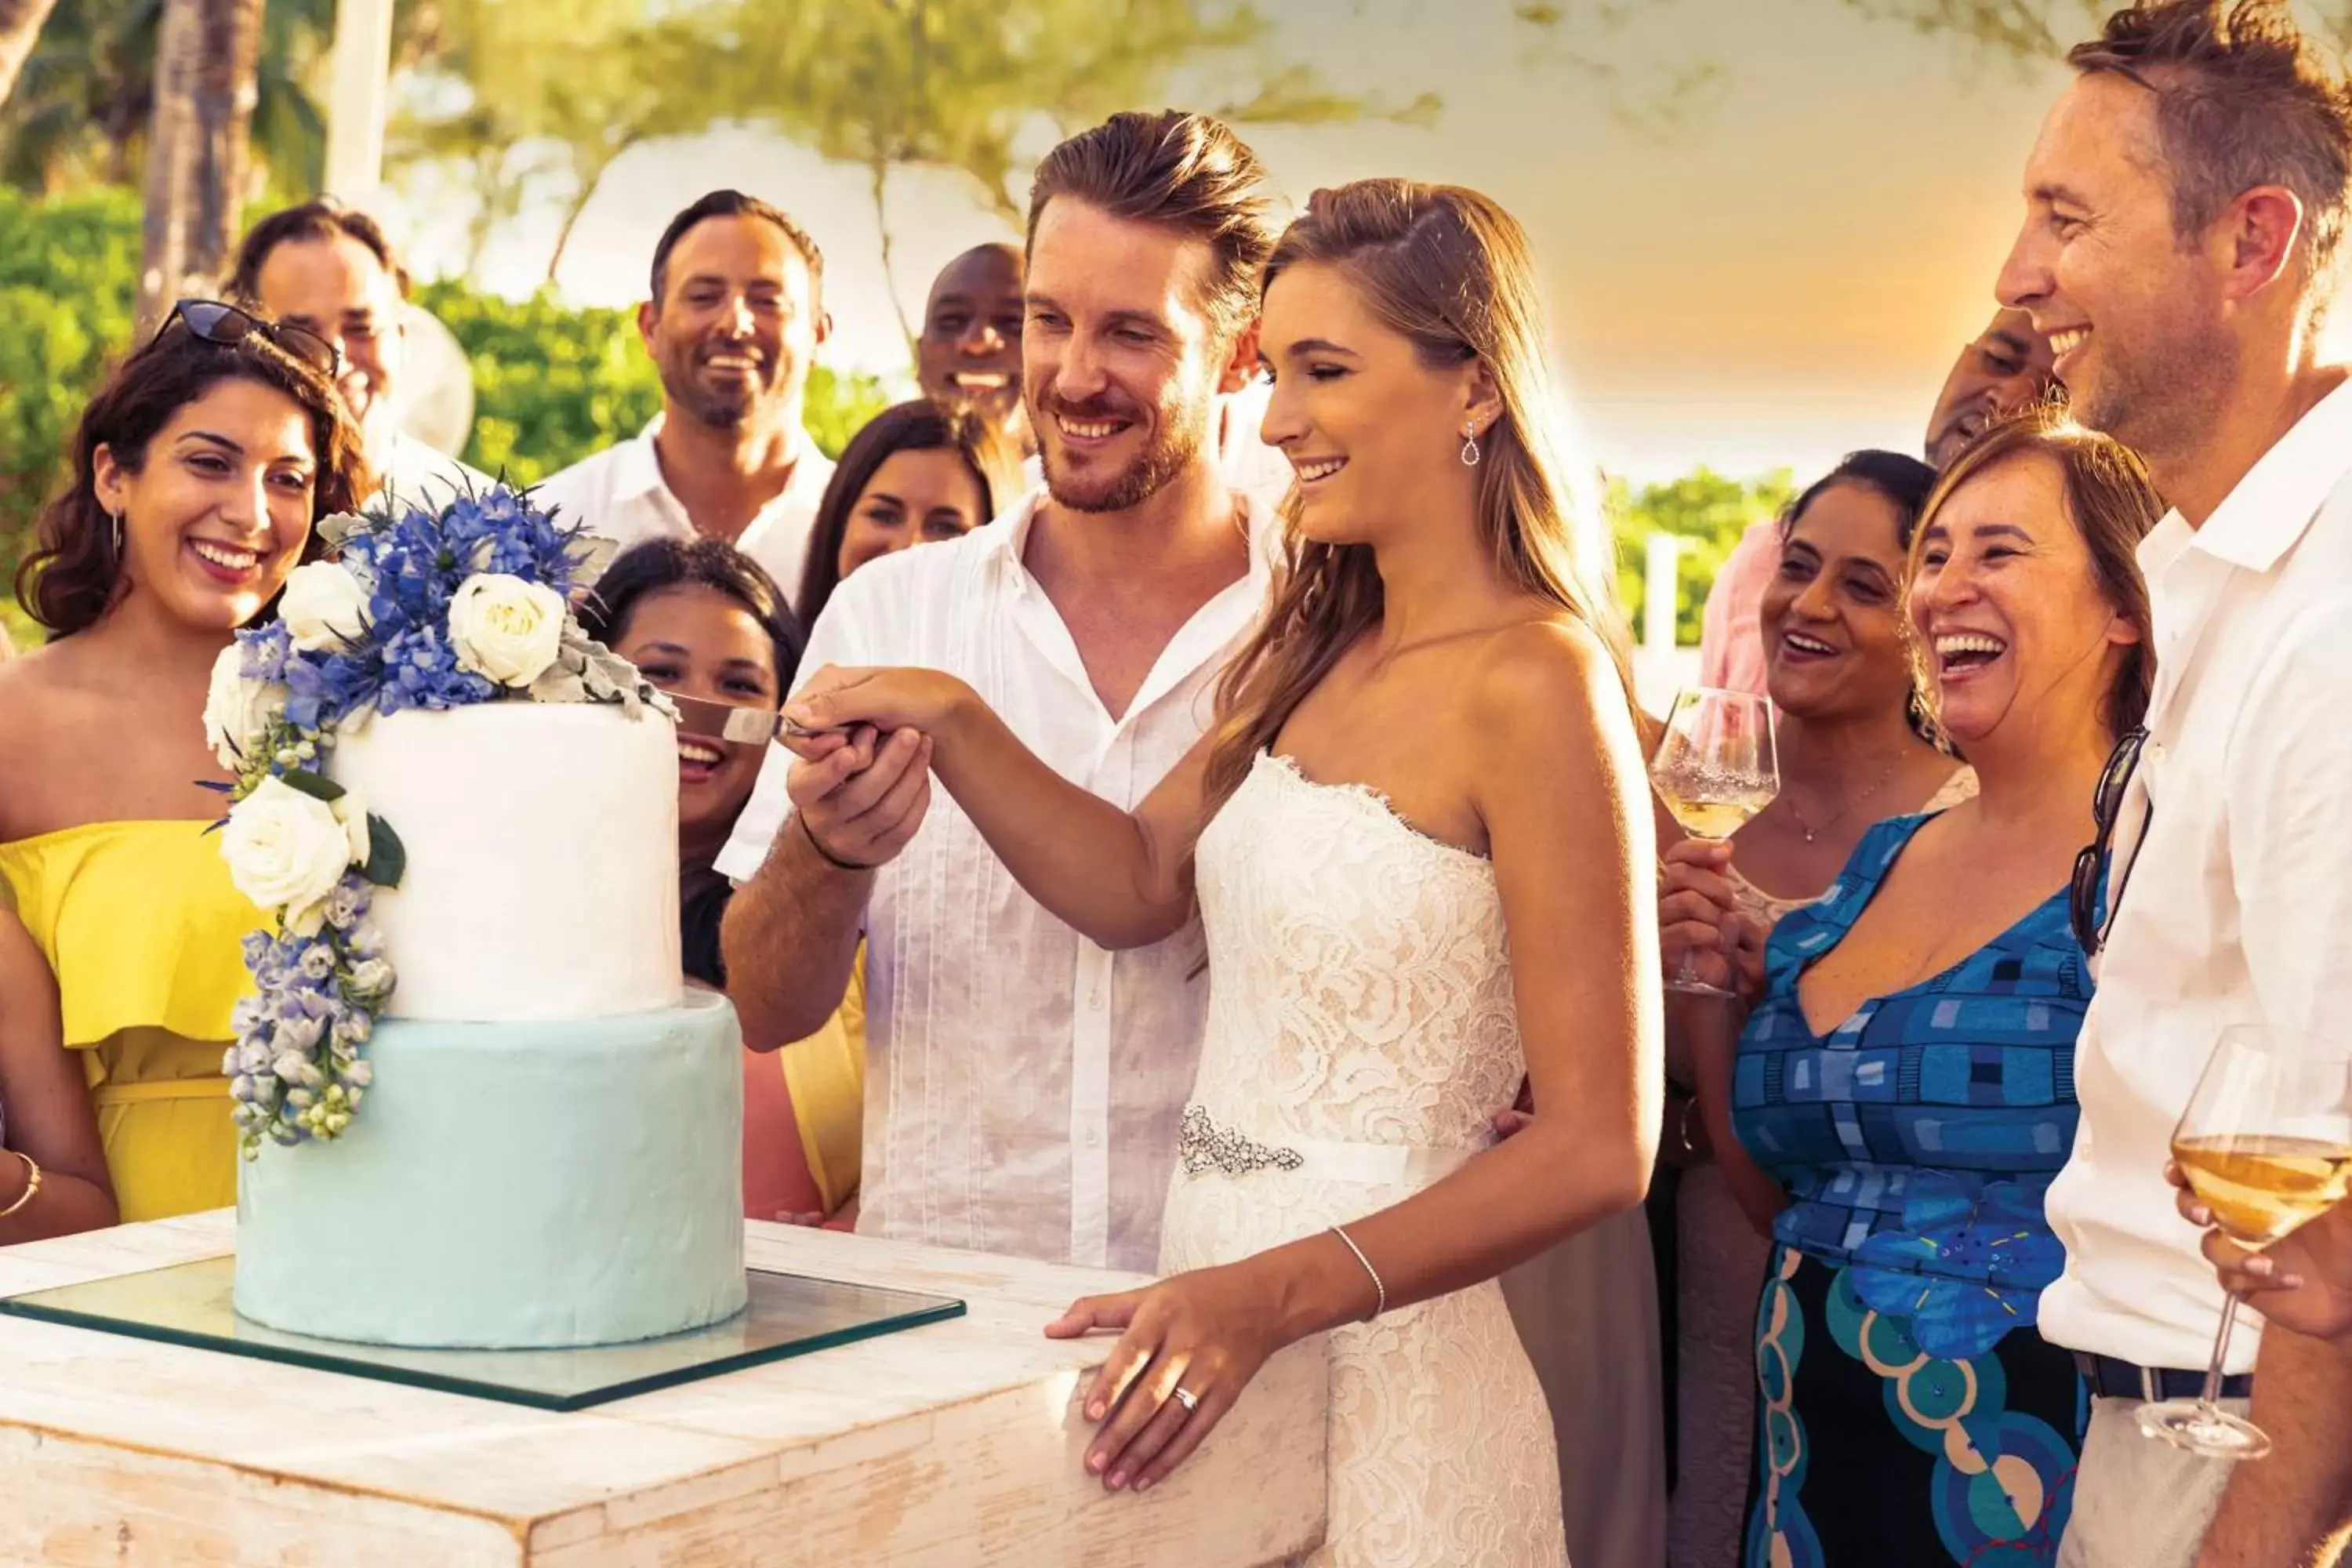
x: 324, y: 607
x: 506, y: 628
x: 287, y: 850
x: 236, y: 710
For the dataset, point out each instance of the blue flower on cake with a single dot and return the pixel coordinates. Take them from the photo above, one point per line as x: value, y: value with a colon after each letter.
x: 419, y: 609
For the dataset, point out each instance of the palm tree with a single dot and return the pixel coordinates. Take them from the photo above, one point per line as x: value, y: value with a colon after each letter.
x: 86, y: 99
x: 20, y: 28
x: 207, y: 55
x: 83, y: 104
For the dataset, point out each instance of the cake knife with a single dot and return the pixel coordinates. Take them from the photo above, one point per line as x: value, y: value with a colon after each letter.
x: 736, y: 725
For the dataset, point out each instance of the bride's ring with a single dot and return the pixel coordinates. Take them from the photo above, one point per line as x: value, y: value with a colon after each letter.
x: 1187, y: 1399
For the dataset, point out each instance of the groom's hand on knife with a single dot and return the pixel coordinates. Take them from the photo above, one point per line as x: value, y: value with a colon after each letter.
x: 859, y: 795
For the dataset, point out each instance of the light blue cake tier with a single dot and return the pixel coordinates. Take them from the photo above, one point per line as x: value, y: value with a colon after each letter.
x: 513, y: 1184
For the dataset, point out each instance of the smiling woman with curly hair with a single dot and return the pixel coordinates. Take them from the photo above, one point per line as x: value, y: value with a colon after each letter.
x: 199, y: 473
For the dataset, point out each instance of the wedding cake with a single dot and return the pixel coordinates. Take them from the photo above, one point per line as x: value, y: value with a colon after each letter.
x: 479, y: 1108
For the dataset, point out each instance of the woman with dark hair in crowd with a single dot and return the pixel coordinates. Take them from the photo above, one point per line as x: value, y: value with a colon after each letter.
x: 915, y: 473
x: 1903, y: 1090
x: 1852, y: 752
x: 198, y: 474
x: 705, y: 622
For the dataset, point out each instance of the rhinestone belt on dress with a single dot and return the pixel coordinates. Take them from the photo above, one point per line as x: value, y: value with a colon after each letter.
x: 1202, y: 1145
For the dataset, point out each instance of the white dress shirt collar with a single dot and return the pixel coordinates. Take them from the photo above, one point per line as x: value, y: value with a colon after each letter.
x: 638, y: 471
x: 2270, y: 509
x: 621, y: 494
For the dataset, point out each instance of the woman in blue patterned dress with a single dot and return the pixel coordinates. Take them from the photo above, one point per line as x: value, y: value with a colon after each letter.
x: 1907, y: 1073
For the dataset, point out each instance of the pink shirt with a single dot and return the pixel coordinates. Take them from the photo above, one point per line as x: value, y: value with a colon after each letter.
x: 1731, y: 643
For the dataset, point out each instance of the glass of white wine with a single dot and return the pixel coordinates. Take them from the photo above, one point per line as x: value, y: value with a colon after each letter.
x: 2266, y: 1143
x: 1715, y: 767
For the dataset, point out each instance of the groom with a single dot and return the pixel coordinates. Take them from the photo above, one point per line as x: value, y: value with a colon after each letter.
x: 1023, y: 1085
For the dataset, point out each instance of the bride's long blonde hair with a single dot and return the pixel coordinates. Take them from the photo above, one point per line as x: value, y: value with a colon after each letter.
x: 1451, y: 270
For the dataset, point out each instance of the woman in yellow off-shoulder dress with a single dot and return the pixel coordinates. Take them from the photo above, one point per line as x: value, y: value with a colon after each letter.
x: 198, y: 473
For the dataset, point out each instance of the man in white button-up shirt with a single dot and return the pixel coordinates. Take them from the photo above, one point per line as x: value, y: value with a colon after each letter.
x: 329, y: 270
x: 734, y: 321
x: 2187, y: 199
x: 1023, y: 1085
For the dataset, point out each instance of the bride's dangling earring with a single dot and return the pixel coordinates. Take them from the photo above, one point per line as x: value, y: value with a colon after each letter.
x: 117, y: 518
x: 1469, y: 443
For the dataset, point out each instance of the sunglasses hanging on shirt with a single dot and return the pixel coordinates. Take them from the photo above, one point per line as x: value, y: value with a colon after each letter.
x: 2091, y: 866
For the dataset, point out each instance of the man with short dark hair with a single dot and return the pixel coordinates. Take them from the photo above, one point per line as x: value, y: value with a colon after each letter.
x: 2004, y: 368
x: 2186, y: 205
x: 1023, y: 1084
x: 733, y: 320
x: 330, y: 270
x: 969, y: 351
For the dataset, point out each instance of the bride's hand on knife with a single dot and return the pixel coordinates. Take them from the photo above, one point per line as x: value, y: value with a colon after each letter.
x: 1206, y: 1332
x: 841, y: 698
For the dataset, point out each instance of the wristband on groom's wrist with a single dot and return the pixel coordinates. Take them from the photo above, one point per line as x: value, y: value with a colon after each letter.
x: 827, y: 856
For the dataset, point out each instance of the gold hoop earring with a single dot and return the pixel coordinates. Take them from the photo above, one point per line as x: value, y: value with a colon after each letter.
x: 1470, y: 444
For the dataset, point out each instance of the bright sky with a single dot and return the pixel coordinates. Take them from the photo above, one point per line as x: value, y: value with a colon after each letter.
x: 1785, y: 277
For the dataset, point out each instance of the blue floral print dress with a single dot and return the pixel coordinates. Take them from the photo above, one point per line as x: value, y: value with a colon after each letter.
x: 1910, y: 1411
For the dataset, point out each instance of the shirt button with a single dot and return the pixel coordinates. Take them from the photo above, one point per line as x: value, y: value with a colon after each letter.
x: 1093, y: 1137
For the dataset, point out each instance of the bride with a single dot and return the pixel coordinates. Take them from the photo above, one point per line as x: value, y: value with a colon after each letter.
x: 1423, y: 762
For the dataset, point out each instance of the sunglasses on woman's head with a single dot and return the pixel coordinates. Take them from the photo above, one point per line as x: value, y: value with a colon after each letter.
x: 225, y: 324
x: 2091, y: 864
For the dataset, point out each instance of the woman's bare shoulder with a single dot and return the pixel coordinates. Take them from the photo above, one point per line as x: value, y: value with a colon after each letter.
x: 34, y: 692
x: 1547, y: 671
x: 27, y: 683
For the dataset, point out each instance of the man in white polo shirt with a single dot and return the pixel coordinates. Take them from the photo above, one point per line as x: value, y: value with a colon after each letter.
x: 1023, y: 1085
x: 2187, y: 202
x: 733, y: 323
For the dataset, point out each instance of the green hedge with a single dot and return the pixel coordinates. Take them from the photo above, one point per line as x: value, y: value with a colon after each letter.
x: 551, y: 384
x: 1706, y: 510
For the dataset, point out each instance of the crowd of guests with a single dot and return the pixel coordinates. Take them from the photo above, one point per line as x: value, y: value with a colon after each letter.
x: 1919, y: 1259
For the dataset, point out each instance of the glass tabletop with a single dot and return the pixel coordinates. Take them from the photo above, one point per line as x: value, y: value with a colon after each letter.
x: 788, y: 1315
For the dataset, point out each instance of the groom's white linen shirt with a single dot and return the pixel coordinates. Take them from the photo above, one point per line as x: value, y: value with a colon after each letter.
x: 1023, y: 1086
x: 620, y: 495
x: 2238, y: 904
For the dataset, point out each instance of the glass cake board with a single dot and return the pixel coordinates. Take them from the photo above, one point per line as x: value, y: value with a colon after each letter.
x: 788, y: 1315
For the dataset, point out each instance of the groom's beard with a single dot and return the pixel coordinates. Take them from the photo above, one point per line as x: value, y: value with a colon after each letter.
x: 1176, y: 439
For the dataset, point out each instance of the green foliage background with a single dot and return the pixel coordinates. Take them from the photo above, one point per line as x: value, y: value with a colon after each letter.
x: 1709, y: 510
x: 551, y: 382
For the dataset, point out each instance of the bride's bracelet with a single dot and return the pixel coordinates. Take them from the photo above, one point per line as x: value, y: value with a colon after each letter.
x: 1380, y: 1292
x: 31, y: 1183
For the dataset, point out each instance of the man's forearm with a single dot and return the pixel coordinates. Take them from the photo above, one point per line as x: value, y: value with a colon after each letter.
x: 790, y: 936
x: 2290, y: 1509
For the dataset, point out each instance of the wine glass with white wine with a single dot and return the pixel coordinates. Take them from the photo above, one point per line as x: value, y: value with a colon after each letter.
x: 2266, y: 1143
x: 1715, y: 767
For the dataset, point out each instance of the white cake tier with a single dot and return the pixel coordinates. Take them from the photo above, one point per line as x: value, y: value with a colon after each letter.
x: 511, y: 1185
x: 543, y: 858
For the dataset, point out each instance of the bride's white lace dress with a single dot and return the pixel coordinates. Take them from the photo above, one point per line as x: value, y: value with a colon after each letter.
x: 1360, y: 1036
